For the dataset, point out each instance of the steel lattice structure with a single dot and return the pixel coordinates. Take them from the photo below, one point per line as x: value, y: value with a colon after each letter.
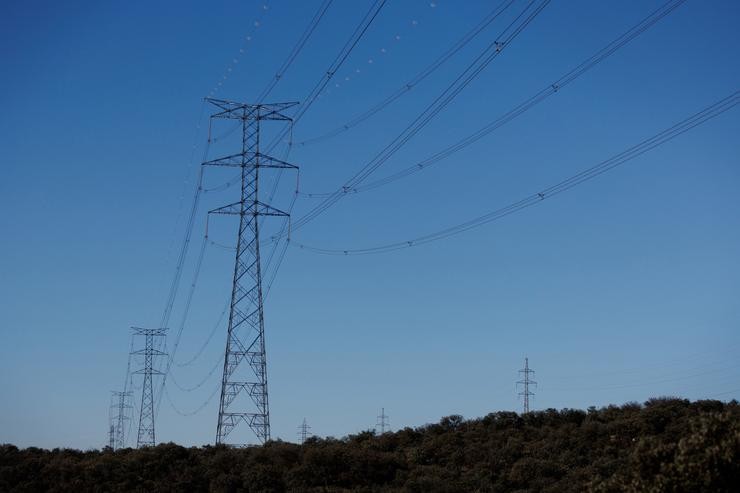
x: 146, y: 415
x: 383, y: 421
x: 245, y: 341
x: 303, y: 431
x: 111, y: 437
x: 121, y: 406
x: 526, y: 382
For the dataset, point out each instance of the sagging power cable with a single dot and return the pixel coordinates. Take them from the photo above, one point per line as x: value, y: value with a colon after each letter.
x: 521, y: 108
x: 646, y: 145
x: 491, y: 52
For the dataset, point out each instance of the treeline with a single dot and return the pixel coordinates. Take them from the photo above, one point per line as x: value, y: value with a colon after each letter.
x: 665, y: 445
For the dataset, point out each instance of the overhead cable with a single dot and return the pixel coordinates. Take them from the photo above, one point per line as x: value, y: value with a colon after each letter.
x: 336, y: 64
x: 203, y: 346
x: 296, y: 50
x: 186, y: 310
x: 522, y: 20
x: 414, y: 81
x: 218, y: 364
x: 526, y: 105
x: 196, y: 410
x: 666, y: 135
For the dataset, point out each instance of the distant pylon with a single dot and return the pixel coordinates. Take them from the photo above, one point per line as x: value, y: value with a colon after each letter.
x: 383, y: 421
x: 526, y: 382
x: 303, y: 431
x: 111, y: 426
x: 245, y: 340
x: 121, y: 410
x: 111, y: 437
x: 146, y: 414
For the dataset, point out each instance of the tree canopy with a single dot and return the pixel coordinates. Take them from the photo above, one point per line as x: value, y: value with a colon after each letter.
x: 663, y: 445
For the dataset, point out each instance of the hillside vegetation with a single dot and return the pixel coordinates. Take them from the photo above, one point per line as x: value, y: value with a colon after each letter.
x: 665, y: 445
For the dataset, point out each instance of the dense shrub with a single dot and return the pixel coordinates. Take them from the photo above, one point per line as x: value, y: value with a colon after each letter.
x: 665, y: 445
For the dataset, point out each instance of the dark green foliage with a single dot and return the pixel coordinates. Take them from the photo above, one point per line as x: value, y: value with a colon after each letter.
x: 665, y: 445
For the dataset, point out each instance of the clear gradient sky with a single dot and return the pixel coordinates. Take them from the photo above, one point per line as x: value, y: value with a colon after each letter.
x: 623, y: 288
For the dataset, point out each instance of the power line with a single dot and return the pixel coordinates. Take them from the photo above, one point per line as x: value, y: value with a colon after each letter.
x: 336, y: 64
x: 197, y: 409
x: 341, y: 57
x: 286, y: 222
x: 175, y: 284
x: 181, y: 200
x: 655, y: 366
x: 523, y: 107
x: 274, y: 250
x: 246, y: 41
x: 283, y: 233
x: 164, y: 321
x: 131, y: 421
x: 186, y: 311
x: 308, y: 101
x: 281, y: 257
x: 202, y: 382
x: 646, y: 145
x: 643, y: 383
x: 209, y: 338
x: 414, y: 81
x: 128, y: 364
x: 728, y: 392
x: 196, y: 198
x: 353, y: 75
x: 296, y: 50
x: 119, y: 419
x: 521, y: 21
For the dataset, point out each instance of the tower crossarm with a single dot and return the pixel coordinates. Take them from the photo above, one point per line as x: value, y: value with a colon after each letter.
x: 250, y: 159
x: 236, y: 110
x: 261, y: 209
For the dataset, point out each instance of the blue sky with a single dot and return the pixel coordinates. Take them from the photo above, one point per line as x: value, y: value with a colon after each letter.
x: 621, y: 289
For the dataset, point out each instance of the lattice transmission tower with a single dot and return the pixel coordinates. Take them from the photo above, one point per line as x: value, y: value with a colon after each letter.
x: 303, y: 431
x: 526, y: 382
x: 383, y: 421
x: 111, y: 437
x: 111, y: 424
x: 244, y: 396
x: 145, y: 437
x: 121, y: 410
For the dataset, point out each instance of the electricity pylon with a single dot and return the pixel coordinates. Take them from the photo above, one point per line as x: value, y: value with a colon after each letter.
x: 526, y: 382
x: 111, y: 437
x: 121, y: 409
x: 245, y: 340
x: 383, y: 421
x: 146, y: 415
x: 303, y: 431
x: 111, y: 425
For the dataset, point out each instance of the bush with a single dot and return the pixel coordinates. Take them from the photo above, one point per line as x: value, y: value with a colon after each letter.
x: 664, y: 445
